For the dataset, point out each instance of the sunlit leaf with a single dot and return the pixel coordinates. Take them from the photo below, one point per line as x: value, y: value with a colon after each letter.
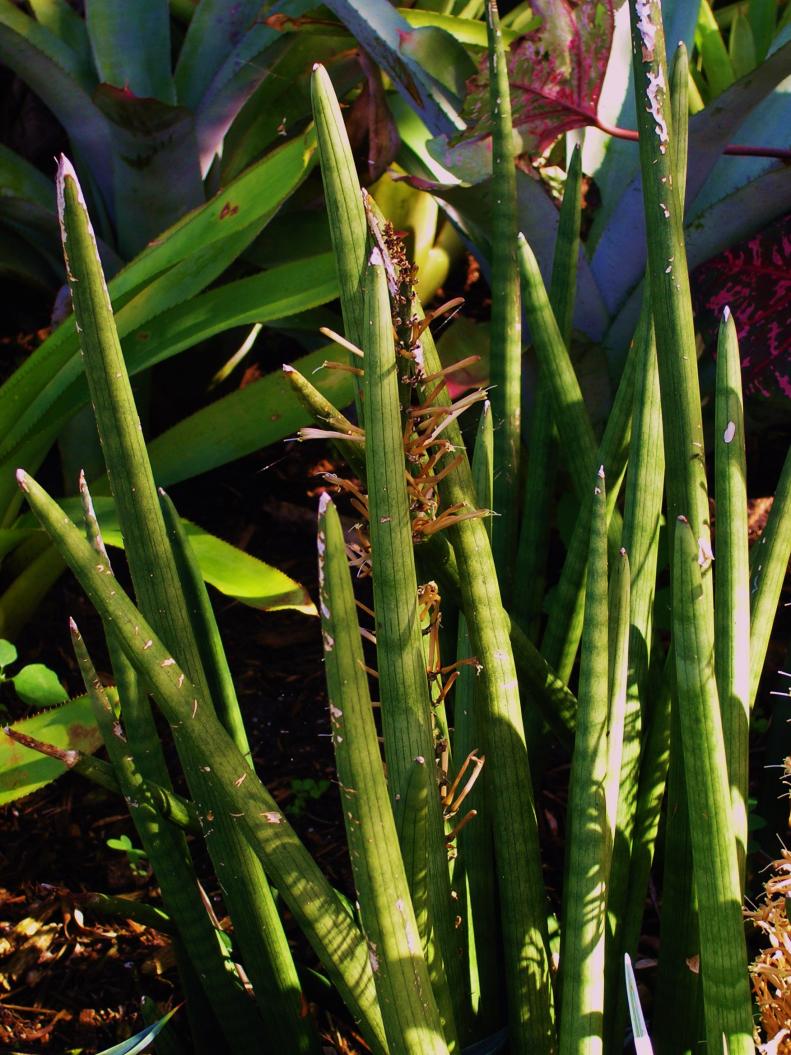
x: 38, y: 686
x: 8, y: 653
x: 69, y: 726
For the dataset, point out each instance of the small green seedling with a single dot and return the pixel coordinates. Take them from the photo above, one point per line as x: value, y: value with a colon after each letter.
x: 138, y: 861
x: 304, y: 791
x: 35, y: 684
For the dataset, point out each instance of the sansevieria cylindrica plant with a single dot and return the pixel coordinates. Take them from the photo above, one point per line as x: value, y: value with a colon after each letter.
x: 455, y: 943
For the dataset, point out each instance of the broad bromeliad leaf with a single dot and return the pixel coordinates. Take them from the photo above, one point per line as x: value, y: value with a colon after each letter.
x: 556, y: 72
x: 232, y: 571
x: 753, y: 280
x: 70, y: 726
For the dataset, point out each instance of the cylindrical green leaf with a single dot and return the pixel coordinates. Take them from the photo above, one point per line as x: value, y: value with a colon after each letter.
x: 578, y: 445
x: 732, y: 576
x: 506, y: 325
x: 409, y: 1011
x: 564, y: 626
x: 474, y: 842
x: 642, y: 514
x: 618, y: 645
x: 156, y: 579
x: 229, y: 784
x: 520, y: 884
x: 723, y: 953
x: 274, y: 975
x: 671, y: 305
x: 403, y: 684
x: 588, y: 838
x: 542, y: 443
x: 348, y: 227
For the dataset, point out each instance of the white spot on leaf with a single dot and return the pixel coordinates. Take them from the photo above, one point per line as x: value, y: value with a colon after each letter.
x: 705, y: 554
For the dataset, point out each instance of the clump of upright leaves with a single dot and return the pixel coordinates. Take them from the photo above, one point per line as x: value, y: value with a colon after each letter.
x: 556, y: 72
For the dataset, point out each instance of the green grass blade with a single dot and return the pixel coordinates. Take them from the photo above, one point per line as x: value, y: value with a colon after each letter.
x: 403, y: 684
x: 506, y: 323
x: 411, y: 1018
x: 588, y: 838
x: 229, y: 785
x: 723, y: 953
x: 741, y: 46
x: 768, y: 564
x: 563, y: 284
x: 732, y: 576
x: 140, y: 1041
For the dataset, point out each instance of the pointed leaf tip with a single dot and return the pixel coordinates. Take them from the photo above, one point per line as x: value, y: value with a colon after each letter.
x: 324, y: 501
x: 601, y: 472
x: 288, y: 369
x: 73, y: 628
x: 65, y: 168
x: 21, y: 479
x: 726, y: 313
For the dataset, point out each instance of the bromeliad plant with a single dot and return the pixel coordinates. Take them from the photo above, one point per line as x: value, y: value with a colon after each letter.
x: 455, y: 942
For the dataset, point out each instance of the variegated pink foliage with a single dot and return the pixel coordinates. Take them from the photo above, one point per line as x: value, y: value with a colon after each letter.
x: 556, y: 72
x: 754, y: 280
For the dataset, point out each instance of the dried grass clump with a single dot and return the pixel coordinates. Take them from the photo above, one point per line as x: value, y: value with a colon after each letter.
x: 771, y: 970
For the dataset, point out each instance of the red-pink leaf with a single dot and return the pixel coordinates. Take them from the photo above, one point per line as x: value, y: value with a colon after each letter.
x: 753, y: 279
x: 556, y: 72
